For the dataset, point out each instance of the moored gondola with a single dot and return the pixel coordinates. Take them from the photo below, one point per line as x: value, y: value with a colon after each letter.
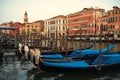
x: 51, y: 54
x: 109, y: 61
x: 63, y: 52
x: 78, y: 53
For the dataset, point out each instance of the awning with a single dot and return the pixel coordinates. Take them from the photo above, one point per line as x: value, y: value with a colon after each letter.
x: 8, y: 28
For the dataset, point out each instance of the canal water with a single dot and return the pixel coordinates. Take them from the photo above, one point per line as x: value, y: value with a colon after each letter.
x: 17, y: 68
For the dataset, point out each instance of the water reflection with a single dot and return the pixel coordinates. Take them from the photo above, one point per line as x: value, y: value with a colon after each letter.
x: 14, y: 68
x: 48, y: 76
x: 18, y: 68
x: 110, y: 75
x: 21, y: 71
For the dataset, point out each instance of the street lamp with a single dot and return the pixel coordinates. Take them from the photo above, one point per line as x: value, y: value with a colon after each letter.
x: 67, y: 30
x: 41, y: 39
x: 100, y: 47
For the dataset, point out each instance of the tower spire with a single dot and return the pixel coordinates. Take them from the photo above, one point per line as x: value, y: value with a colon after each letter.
x: 25, y: 12
x: 25, y: 17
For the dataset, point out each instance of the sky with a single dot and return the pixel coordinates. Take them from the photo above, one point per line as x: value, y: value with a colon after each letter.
x: 13, y: 10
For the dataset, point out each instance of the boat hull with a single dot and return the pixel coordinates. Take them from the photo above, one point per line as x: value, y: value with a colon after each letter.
x: 107, y: 62
x: 90, y: 69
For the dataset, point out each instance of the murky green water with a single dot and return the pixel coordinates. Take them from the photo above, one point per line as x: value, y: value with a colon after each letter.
x: 17, y: 68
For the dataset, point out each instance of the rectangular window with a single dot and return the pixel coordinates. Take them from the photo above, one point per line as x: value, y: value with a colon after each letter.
x: 52, y: 28
x: 75, y: 20
x: 113, y: 12
x: 52, y: 22
x: 56, y: 21
x: 116, y: 12
x: 116, y: 18
x: 59, y: 27
x: 48, y: 22
x: 75, y: 27
x: 59, y: 21
x: 63, y: 21
x: 56, y: 28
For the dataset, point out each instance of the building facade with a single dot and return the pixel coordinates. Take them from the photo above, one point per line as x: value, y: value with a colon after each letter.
x: 7, y: 24
x: 110, y: 23
x: 102, y: 23
x: 114, y: 21
x: 87, y: 22
x: 56, y: 24
x: 35, y: 27
x: 19, y: 26
x: 55, y: 29
x: 84, y: 19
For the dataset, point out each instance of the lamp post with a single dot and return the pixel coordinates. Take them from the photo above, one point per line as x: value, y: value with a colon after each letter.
x: 100, y: 47
x: 34, y: 32
x: 41, y: 38
x: 56, y: 40
x: 75, y: 38
x: 95, y: 29
x: 48, y: 38
x: 108, y: 38
x: 24, y: 37
x: 15, y: 40
x: 67, y: 42
x: 80, y: 43
x: 0, y: 40
x: 28, y: 36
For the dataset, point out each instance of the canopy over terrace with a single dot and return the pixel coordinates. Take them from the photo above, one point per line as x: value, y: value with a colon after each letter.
x: 10, y: 28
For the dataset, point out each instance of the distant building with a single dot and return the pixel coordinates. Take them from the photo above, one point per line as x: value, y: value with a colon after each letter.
x: 90, y: 20
x: 32, y: 30
x: 114, y: 21
x: 55, y: 29
x: 29, y: 28
x: 110, y: 23
x: 55, y: 26
x: 7, y: 24
x: 102, y: 22
x: 84, y: 19
x: 19, y: 26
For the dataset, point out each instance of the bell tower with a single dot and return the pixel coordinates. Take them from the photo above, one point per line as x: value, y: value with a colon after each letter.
x: 25, y: 17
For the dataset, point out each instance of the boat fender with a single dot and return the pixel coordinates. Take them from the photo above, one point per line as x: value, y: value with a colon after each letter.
x: 37, y: 55
x: 26, y: 51
x: 32, y: 52
x: 20, y: 46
